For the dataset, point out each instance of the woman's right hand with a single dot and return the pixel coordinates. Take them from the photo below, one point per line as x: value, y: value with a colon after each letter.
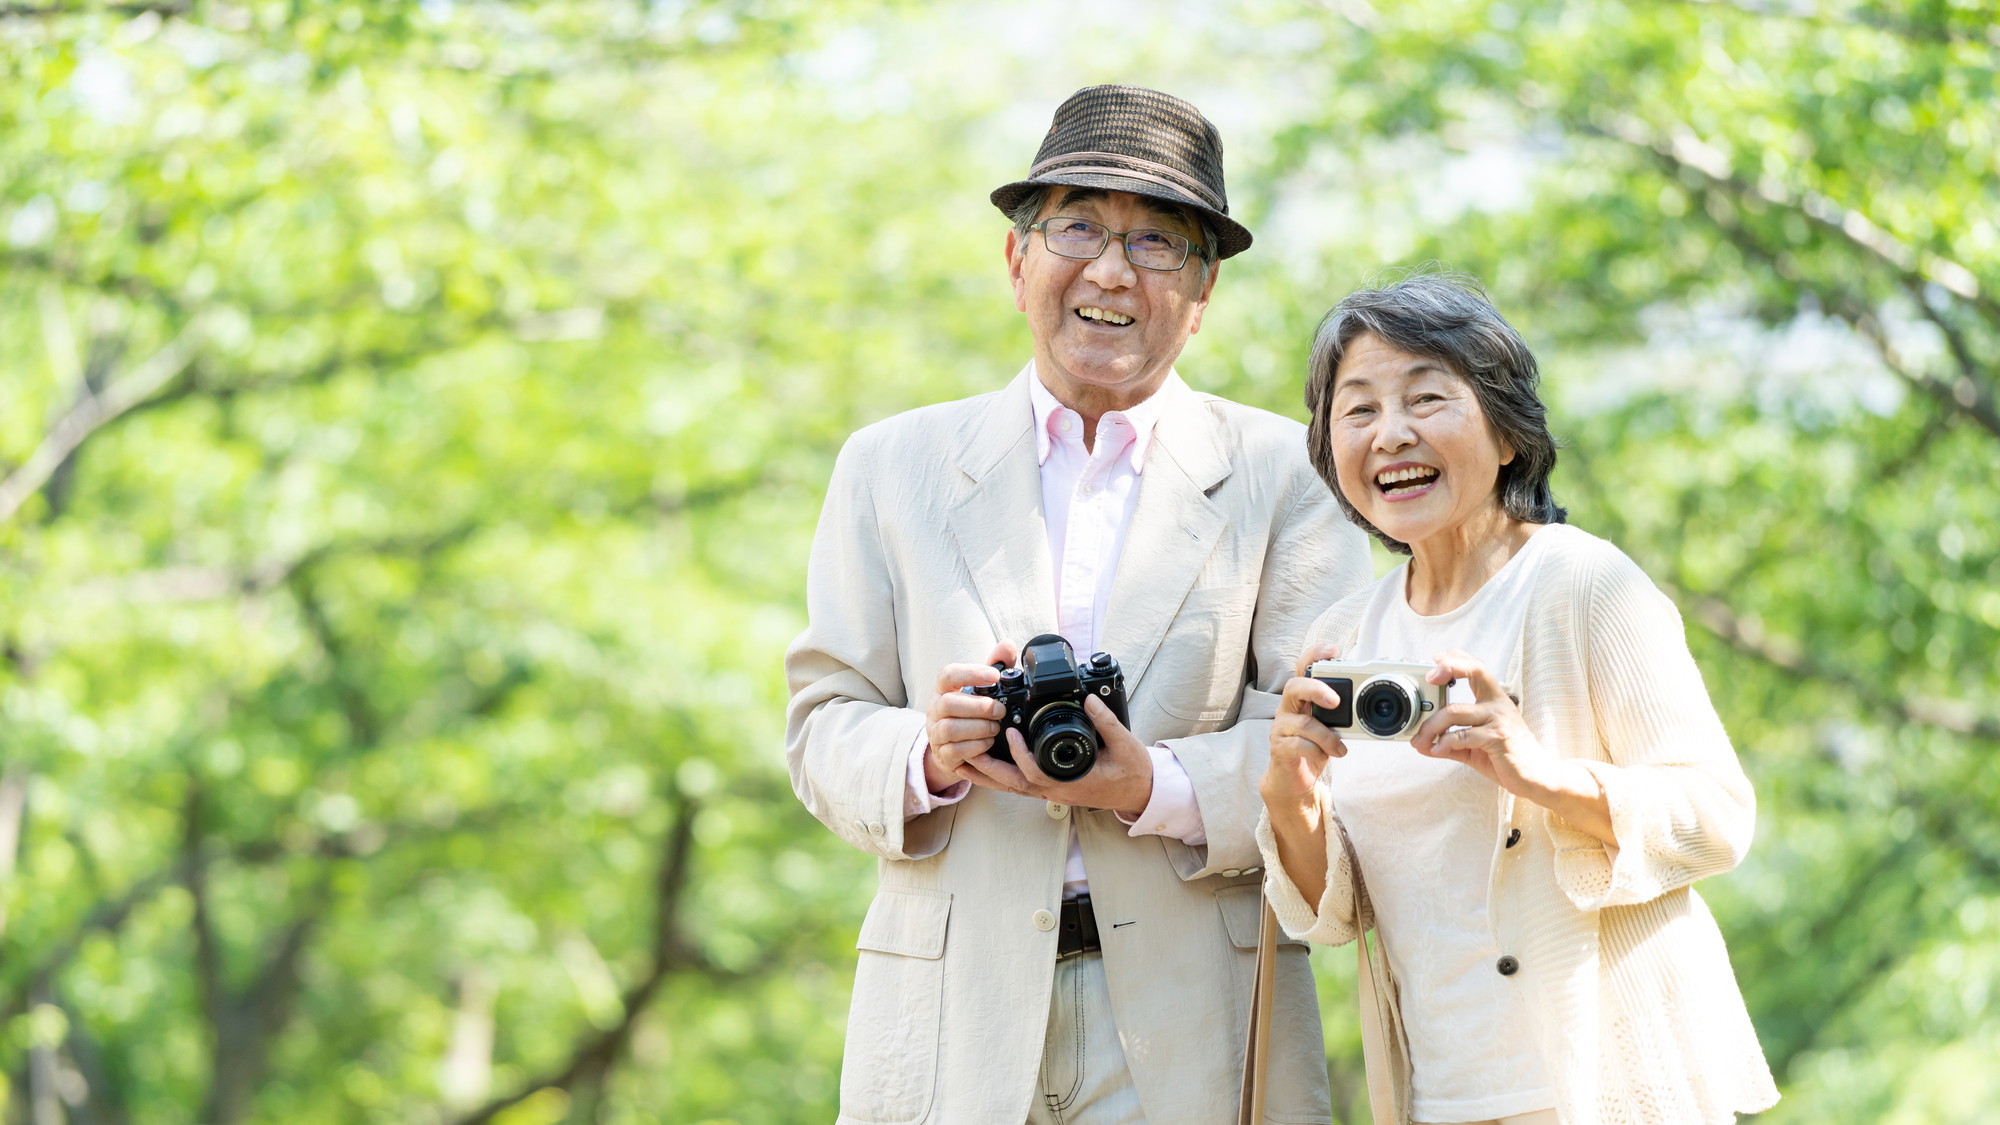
x: 1300, y: 744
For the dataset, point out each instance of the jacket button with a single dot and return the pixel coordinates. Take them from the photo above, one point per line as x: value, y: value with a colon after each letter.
x: 1513, y: 837
x: 1044, y: 921
x: 1057, y: 812
x: 876, y: 829
x: 1508, y: 966
x: 1232, y: 873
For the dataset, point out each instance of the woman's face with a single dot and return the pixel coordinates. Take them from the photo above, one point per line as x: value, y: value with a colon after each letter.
x: 1412, y: 449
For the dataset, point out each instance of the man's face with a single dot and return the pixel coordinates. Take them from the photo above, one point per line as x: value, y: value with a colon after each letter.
x: 1106, y: 332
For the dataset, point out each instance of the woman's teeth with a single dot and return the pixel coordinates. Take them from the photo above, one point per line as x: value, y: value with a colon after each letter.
x: 1103, y: 316
x: 1405, y: 480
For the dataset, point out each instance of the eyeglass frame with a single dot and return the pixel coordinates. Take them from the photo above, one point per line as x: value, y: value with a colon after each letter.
x: 1193, y: 248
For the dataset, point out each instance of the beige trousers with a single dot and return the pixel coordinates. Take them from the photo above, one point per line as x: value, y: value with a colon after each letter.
x: 1084, y: 1080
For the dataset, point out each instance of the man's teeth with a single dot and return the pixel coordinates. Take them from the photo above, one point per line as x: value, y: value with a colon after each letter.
x: 1422, y: 474
x: 1103, y: 316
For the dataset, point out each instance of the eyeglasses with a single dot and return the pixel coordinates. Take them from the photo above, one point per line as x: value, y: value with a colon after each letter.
x: 1084, y: 240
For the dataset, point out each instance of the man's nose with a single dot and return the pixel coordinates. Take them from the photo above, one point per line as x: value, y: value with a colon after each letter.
x: 1112, y: 269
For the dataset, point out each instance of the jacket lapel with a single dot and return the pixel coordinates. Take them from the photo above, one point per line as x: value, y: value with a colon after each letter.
x: 1175, y: 527
x: 998, y: 524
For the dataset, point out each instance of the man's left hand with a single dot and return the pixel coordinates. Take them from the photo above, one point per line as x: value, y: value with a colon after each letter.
x: 1122, y: 779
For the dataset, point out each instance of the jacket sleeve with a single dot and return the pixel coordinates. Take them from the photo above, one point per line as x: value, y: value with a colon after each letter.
x: 849, y: 728
x: 1681, y: 807
x: 1316, y: 558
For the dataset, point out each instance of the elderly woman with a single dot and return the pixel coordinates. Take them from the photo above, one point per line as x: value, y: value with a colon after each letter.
x: 1541, y: 955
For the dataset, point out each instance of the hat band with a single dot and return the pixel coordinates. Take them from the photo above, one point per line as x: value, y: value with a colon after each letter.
x: 1161, y: 174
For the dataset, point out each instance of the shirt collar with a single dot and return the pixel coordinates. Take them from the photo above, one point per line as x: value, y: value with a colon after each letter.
x: 1142, y: 417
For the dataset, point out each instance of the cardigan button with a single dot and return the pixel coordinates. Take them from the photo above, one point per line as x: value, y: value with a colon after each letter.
x: 1508, y: 966
x: 1513, y: 837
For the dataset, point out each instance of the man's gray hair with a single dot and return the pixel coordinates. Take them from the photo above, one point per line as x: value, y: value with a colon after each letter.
x: 1029, y: 209
x: 1446, y: 317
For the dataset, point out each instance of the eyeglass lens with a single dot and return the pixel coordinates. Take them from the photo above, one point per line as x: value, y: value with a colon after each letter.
x: 1147, y: 249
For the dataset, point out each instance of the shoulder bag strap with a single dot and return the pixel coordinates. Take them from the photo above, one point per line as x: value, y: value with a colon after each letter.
x: 1257, y: 1049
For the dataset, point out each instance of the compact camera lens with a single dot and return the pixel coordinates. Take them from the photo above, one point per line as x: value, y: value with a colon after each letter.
x: 1385, y: 705
x: 1064, y: 742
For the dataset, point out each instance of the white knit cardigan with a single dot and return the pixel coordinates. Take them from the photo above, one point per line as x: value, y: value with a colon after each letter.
x: 1633, y: 1000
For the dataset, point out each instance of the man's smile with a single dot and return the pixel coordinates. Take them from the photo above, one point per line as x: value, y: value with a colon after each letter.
x: 1096, y: 315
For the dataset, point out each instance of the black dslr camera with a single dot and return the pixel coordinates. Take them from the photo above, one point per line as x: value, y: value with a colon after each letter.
x: 1044, y: 701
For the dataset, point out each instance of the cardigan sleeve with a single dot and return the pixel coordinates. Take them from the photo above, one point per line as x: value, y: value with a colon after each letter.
x: 1331, y: 920
x: 1681, y: 807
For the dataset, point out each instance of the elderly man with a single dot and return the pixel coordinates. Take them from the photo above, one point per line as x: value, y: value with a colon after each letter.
x: 1076, y: 951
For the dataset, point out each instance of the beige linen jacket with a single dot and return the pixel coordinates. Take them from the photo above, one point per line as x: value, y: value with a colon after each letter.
x: 1633, y: 999
x: 930, y: 549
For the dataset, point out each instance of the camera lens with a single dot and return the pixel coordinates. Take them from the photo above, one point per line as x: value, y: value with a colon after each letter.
x: 1384, y: 705
x: 1064, y: 742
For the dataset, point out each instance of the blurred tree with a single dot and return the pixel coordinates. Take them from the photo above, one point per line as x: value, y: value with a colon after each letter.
x: 414, y: 415
x: 1761, y: 252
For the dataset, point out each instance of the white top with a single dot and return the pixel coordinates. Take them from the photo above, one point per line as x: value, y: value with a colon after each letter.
x: 1636, y: 1009
x: 1088, y: 496
x: 1423, y: 829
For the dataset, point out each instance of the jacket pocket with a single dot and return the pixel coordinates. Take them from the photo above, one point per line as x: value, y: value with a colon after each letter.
x: 1242, y: 912
x: 1198, y: 674
x: 889, y: 1071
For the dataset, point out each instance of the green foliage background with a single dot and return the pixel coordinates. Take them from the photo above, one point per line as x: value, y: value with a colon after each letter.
x: 413, y: 418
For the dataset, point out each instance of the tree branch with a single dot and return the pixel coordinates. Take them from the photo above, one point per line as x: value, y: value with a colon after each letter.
x: 92, y: 411
x: 1747, y: 635
x: 1683, y: 151
x: 1871, y: 18
x: 593, y: 1057
x: 45, y: 11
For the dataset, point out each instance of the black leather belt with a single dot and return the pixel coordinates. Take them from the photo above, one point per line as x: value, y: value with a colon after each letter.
x: 1079, y: 929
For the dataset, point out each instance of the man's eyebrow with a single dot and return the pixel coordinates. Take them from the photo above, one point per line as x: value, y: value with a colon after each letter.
x: 1157, y: 208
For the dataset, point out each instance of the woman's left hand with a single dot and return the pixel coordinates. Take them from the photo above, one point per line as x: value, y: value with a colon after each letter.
x: 1490, y: 735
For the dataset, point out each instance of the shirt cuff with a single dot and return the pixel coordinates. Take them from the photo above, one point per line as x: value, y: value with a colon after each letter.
x: 917, y: 796
x: 1172, y: 810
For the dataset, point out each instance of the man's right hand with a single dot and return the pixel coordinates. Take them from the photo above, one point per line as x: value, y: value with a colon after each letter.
x: 962, y: 726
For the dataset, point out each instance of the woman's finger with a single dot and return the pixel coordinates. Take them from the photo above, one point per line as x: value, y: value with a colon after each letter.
x: 1314, y: 653
x: 1303, y: 693
x: 1446, y: 717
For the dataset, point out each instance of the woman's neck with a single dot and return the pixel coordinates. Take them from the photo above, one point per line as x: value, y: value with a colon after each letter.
x: 1449, y: 567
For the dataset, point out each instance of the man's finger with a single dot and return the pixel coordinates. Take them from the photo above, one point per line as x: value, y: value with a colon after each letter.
x: 955, y: 676
x: 947, y: 731
x: 1313, y: 653
x: 1024, y: 762
x: 1003, y: 653
x: 999, y: 774
x: 1103, y: 718
x: 957, y: 705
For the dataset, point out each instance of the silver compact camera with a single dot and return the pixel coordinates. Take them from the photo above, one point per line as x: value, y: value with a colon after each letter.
x: 1384, y: 700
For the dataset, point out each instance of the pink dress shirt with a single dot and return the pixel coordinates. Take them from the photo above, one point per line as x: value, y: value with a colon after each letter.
x: 1087, y: 501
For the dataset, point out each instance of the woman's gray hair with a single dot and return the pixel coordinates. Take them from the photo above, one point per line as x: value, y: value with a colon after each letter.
x: 1210, y: 250
x: 1446, y: 317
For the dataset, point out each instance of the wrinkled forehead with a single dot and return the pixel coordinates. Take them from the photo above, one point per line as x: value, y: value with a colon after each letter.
x: 1086, y: 202
x: 1372, y: 364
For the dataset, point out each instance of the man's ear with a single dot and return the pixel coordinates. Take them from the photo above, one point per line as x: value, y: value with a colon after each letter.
x: 1201, y: 302
x: 1014, y: 258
